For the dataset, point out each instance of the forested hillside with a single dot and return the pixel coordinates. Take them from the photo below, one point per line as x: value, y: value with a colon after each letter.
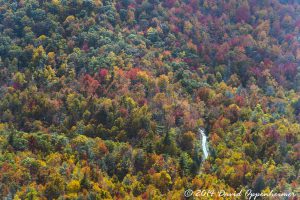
x: 103, y: 99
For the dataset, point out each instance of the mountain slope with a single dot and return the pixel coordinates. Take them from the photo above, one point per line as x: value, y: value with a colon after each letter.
x: 103, y: 99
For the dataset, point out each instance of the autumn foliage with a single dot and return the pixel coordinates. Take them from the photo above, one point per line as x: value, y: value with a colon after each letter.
x: 103, y: 99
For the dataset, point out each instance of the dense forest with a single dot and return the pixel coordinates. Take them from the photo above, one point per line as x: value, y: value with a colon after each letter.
x: 103, y: 99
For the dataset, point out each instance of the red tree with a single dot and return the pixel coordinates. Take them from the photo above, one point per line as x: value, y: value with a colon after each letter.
x: 90, y: 84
